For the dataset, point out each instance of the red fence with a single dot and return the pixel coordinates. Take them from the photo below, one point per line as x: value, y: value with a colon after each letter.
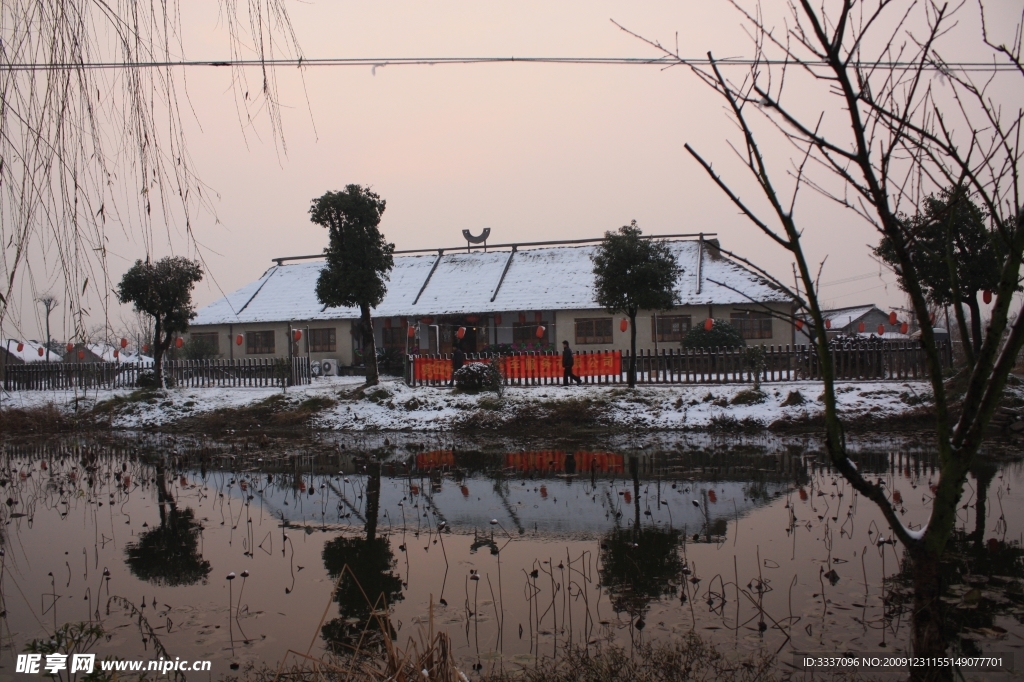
x: 868, y: 361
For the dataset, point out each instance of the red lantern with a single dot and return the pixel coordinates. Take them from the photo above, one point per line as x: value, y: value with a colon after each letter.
x: 40, y: 351
x: 124, y: 343
x: 145, y: 348
x: 81, y: 355
x: 828, y: 324
x: 986, y: 296
x: 21, y: 347
x: 297, y: 335
x: 799, y: 324
x: 116, y: 352
x: 860, y: 327
x: 522, y: 318
x: 624, y: 325
x: 412, y: 332
x: 179, y: 342
x: 238, y: 340
x: 497, y: 319
x: 904, y: 328
x: 881, y: 329
x: 540, y: 332
x: 461, y: 333
x: 708, y: 324
x: 712, y: 497
x: 70, y: 347
x: 892, y: 317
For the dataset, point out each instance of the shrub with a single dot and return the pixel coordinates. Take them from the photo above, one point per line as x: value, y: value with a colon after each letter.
x: 479, y: 376
x: 722, y: 335
x: 748, y: 396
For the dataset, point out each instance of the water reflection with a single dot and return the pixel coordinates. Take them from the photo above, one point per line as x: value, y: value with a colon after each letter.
x: 169, y: 554
x: 757, y: 545
x: 367, y: 587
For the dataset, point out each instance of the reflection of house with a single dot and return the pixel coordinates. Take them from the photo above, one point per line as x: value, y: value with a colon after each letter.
x: 16, y: 352
x: 531, y: 297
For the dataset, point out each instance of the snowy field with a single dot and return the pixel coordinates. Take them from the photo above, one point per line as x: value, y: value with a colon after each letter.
x: 393, y: 406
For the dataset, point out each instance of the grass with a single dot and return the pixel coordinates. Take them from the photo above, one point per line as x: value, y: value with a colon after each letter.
x: 39, y: 420
x: 274, y: 412
x: 119, y: 402
x: 688, y: 658
x: 794, y: 398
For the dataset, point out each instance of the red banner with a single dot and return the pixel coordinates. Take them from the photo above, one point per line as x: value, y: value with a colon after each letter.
x: 603, y: 363
x: 555, y: 461
x: 548, y: 366
x: 437, y: 458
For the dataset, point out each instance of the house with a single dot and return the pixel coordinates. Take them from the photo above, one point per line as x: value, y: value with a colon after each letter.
x: 17, y: 352
x: 103, y: 352
x: 532, y: 296
x: 854, y: 320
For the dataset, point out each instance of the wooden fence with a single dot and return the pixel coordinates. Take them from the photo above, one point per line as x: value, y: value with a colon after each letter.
x: 868, y: 361
x: 181, y: 373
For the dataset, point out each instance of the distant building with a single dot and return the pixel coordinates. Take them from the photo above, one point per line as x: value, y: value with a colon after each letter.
x: 517, y: 295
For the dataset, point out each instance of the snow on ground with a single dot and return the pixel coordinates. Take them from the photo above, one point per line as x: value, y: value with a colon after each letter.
x: 394, y: 406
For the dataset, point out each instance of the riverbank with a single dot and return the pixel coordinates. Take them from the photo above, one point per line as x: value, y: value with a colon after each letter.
x: 343, y: 404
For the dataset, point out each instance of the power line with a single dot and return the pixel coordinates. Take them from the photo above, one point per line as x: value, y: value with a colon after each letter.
x: 379, y: 62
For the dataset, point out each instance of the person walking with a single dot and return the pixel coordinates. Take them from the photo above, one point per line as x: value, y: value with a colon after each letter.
x: 458, y: 360
x: 567, y: 362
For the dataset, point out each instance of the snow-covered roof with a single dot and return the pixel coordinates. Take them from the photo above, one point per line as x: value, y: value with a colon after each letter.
x: 106, y: 352
x: 29, y: 351
x: 843, y: 317
x: 553, y: 278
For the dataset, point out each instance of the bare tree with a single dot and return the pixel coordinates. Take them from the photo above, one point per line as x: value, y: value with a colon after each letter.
x: 903, y: 123
x: 92, y: 135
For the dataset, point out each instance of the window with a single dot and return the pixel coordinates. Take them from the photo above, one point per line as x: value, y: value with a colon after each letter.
x: 259, y: 343
x: 209, y: 341
x: 670, y: 327
x: 753, y: 325
x: 526, y: 333
x: 593, y: 330
x: 395, y: 337
x: 323, y: 340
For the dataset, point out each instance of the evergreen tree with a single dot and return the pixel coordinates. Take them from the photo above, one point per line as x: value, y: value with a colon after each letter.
x: 633, y: 274
x: 359, y: 259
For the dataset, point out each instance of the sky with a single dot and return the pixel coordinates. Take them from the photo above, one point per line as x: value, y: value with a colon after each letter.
x: 533, y: 151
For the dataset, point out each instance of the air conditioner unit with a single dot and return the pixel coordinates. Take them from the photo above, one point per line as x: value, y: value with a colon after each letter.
x: 329, y: 367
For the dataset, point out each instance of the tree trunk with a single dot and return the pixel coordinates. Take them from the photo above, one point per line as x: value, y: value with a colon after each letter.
x: 632, y: 348
x: 158, y: 355
x: 928, y: 638
x: 369, y: 347
x: 372, y: 500
x: 972, y: 303
x: 634, y: 470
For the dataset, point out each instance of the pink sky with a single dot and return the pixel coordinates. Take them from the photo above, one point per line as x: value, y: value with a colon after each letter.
x: 535, y: 152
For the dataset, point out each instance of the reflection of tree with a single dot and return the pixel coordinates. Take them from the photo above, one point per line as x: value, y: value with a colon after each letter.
x: 169, y: 554
x: 368, y: 582
x: 639, y: 565
x: 978, y: 580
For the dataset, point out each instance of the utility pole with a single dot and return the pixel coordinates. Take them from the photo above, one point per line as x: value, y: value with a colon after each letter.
x: 49, y: 302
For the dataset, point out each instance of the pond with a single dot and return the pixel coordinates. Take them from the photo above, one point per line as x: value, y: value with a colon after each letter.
x: 517, y: 551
